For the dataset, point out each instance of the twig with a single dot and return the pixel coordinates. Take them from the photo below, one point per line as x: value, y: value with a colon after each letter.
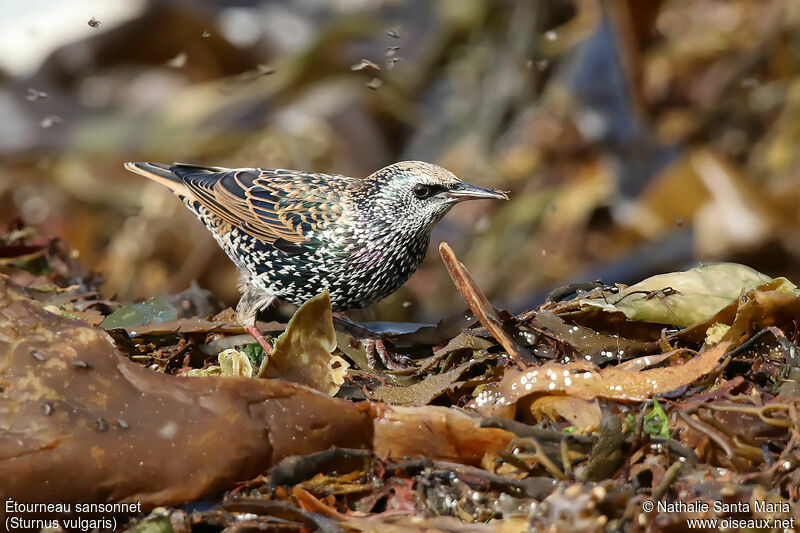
x: 481, y: 306
x: 669, y: 477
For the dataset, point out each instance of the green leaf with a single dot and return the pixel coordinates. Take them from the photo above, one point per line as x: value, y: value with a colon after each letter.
x: 656, y: 422
x: 153, y: 310
x: 157, y: 522
x: 67, y: 314
x: 630, y: 420
x: 254, y: 352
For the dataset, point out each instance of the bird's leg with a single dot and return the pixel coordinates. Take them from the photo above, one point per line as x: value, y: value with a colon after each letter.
x: 260, y: 338
x: 251, y: 302
x: 376, y: 350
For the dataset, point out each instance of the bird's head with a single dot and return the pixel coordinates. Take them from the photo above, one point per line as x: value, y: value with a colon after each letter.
x: 416, y: 195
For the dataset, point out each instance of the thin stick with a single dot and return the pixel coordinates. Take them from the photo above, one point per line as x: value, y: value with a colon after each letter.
x: 480, y: 305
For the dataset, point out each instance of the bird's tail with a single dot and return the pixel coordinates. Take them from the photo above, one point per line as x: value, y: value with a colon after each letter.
x: 161, y: 173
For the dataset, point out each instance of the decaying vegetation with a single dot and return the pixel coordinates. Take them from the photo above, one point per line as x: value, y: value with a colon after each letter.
x: 568, y: 416
x: 637, y: 139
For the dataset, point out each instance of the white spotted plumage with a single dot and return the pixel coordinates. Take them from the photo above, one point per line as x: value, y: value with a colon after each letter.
x: 293, y: 234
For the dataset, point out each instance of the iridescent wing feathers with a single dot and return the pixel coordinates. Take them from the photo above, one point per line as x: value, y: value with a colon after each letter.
x: 280, y: 207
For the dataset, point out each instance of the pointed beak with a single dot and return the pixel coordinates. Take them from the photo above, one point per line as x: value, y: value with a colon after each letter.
x: 467, y: 191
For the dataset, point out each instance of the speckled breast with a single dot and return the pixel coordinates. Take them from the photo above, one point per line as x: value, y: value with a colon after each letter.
x: 356, y: 271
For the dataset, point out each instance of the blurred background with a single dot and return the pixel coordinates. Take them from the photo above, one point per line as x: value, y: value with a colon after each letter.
x: 636, y: 136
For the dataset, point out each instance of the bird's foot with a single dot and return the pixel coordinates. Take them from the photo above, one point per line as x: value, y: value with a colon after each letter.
x: 376, y: 350
x: 260, y: 338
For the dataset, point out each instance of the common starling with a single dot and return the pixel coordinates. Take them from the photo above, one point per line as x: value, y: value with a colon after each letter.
x: 293, y: 234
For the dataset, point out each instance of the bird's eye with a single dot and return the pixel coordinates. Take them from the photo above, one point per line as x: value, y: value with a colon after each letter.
x: 421, y: 191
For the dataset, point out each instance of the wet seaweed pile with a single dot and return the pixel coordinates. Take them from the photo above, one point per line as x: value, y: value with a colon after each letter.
x: 569, y: 417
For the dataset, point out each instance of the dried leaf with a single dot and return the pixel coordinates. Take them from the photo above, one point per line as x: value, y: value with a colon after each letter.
x: 585, y: 415
x: 197, y: 325
x: 92, y: 316
x: 81, y: 423
x: 304, y: 352
x: 464, y: 341
x: 588, y: 382
x: 235, y: 363
x: 640, y: 363
x: 423, y: 392
x: 591, y: 345
x: 716, y: 332
x: 685, y: 298
x: 212, y: 370
x: 357, y: 353
x: 436, y: 432
x: 309, y: 502
x: 761, y: 309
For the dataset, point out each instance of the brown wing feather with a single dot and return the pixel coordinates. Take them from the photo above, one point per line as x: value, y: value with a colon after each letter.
x: 270, y: 204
